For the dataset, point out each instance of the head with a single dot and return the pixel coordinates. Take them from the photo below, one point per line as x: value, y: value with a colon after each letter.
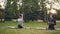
x: 51, y: 16
x: 20, y: 16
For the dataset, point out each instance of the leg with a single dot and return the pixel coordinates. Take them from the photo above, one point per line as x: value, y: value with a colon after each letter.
x: 51, y: 27
x: 19, y: 26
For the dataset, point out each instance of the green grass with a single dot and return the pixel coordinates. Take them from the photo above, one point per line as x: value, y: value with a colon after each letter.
x: 4, y: 30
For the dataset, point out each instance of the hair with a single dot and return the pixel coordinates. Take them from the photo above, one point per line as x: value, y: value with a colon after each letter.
x: 54, y: 16
x: 19, y: 16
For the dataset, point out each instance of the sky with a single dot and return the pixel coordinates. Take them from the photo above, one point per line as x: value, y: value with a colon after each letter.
x: 2, y: 3
x: 2, y: 0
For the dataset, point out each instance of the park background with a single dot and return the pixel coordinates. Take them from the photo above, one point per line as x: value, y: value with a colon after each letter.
x: 34, y: 12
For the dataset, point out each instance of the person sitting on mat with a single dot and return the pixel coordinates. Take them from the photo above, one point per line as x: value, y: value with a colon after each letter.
x: 51, y: 23
x: 20, y: 21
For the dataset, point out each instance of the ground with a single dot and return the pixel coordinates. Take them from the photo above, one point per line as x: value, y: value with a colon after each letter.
x: 4, y: 30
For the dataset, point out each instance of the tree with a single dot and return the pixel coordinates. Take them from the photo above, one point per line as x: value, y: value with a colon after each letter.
x: 14, y: 9
x: 30, y: 9
x: 1, y: 13
x: 55, y: 5
x: 44, y: 10
x: 11, y: 9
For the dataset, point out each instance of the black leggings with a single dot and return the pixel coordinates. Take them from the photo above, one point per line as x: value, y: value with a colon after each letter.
x: 19, y: 26
x: 51, y: 27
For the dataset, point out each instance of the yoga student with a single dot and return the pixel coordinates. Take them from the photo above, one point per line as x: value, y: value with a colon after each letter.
x: 51, y: 22
x: 20, y: 21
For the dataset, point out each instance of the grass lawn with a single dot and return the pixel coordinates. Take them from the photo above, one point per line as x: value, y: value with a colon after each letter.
x: 4, y: 30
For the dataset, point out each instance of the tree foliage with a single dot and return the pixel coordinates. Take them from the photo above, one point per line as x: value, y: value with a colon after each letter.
x: 30, y: 9
x: 1, y: 14
x: 11, y: 9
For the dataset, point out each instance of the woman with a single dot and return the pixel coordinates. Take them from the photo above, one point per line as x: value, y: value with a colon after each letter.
x: 51, y: 22
x: 20, y: 21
